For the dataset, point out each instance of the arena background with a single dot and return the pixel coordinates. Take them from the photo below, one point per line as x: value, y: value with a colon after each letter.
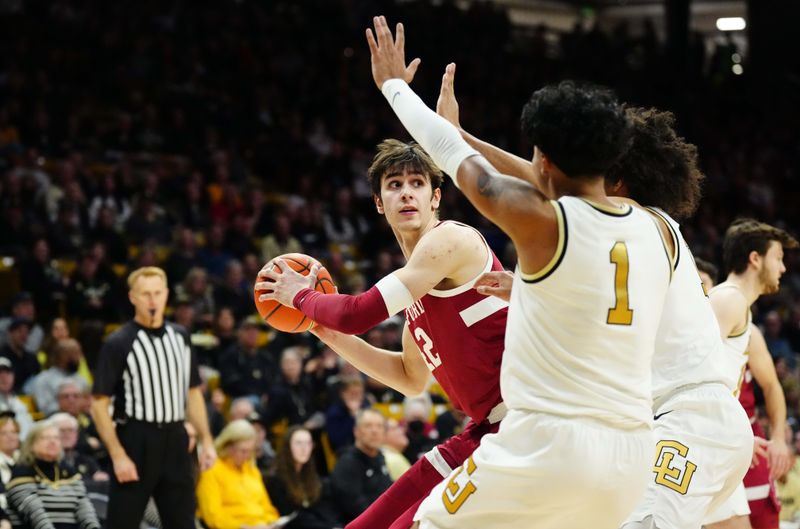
x: 207, y: 137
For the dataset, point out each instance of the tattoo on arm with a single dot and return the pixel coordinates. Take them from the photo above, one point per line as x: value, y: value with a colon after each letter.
x: 492, y: 185
x: 485, y: 185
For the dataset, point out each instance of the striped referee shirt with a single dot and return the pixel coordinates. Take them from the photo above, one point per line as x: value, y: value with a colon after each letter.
x: 147, y: 372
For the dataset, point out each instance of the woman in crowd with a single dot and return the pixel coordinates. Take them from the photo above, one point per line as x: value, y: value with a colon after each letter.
x: 43, y: 493
x: 296, y: 488
x: 231, y: 494
x: 9, y: 450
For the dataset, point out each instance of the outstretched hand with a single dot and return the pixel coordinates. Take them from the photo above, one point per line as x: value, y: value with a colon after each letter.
x: 388, y: 54
x: 447, y: 105
x: 283, y: 286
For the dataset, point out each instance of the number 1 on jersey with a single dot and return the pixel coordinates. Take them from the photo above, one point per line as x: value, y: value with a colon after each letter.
x: 621, y: 313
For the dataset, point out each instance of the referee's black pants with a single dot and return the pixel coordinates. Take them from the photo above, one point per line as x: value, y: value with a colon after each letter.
x: 160, y: 453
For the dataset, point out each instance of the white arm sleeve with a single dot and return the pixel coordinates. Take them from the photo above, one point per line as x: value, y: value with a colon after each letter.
x: 434, y: 133
x: 394, y: 294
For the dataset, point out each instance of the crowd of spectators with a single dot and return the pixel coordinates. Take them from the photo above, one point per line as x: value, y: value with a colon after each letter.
x: 211, y: 137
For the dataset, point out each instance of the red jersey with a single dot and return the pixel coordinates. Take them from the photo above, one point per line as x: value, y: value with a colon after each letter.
x: 461, y: 335
x: 747, y: 397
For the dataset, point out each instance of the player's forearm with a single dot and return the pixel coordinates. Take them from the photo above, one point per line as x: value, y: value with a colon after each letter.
x: 355, y: 314
x: 381, y: 364
x: 105, y: 427
x: 503, y: 161
x: 776, y: 410
x: 196, y: 413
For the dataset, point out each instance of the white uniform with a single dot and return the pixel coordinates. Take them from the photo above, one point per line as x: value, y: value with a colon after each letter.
x: 736, y: 352
x: 575, y: 448
x: 703, y: 438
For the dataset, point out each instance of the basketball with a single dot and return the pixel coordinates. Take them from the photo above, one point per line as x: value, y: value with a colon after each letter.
x: 288, y: 319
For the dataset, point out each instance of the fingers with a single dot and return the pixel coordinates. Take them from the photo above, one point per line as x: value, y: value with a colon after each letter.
x: 411, y: 69
x: 400, y: 38
x: 266, y: 296
x: 312, y: 274
x: 373, y: 46
x: 382, y: 32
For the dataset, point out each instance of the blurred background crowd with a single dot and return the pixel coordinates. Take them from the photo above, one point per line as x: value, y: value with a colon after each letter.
x: 207, y: 139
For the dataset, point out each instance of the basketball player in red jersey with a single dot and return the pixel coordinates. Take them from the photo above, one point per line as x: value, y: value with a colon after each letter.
x: 451, y: 330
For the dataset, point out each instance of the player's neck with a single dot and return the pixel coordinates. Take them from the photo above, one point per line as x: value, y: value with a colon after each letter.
x: 408, y: 239
x: 591, y: 189
x: 748, y: 283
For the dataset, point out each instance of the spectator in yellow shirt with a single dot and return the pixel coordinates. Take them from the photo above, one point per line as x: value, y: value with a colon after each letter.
x: 231, y: 494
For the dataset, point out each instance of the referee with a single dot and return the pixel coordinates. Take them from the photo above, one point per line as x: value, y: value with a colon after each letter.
x: 147, y: 371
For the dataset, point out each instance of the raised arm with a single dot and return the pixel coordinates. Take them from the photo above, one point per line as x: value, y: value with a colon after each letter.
x: 519, y: 209
x: 503, y: 161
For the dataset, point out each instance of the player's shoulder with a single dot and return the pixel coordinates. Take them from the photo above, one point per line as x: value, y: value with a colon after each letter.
x: 452, y: 233
x: 728, y: 295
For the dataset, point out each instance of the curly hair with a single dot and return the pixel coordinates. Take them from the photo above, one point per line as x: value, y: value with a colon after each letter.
x: 582, y: 129
x: 660, y: 168
x: 747, y: 235
x: 395, y: 155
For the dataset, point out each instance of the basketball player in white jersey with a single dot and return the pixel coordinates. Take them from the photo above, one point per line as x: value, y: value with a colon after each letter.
x: 753, y: 256
x: 591, y: 280
x: 703, y: 439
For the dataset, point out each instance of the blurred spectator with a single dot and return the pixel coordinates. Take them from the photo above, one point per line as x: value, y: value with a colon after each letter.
x: 59, y: 330
x: 40, y: 473
x: 292, y: 397
x: 22, y: 307
x: 231, y: 494
x: 183, y: 313
x: 68, y: 430
x: 183, y: 256
x: 106, y: 231
x: 360, y: 475
x: 214, y: 256
x: 39, y: 276
x: 340, y: 418
x: 280, y: 241
x: 234, y: 291
x: 22, y: 361
x: 422, y: 434
x: 9, y: 450
x: 241, y: 408
x: 111, y: 199
x: 64, y: 365
x: 246, y: 369
x: 393, y: 447
x: 777, y: 343
x: 71, y: 400
x: 265, y: 454
x: 9, y: 402
x: 224, y: 330
x: 91, y: 298
x: 296, y: 488
x: 196, y: 288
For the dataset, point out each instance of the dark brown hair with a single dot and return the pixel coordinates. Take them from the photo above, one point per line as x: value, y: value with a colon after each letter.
x: 747, y: 235
x: 707, y: 267
x: 304, y: 486
x: 394, y: 157
x: 660, y: 168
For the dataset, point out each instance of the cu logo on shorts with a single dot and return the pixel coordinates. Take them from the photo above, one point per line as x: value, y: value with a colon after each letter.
x: 675, y: 474
x: 455, y: 493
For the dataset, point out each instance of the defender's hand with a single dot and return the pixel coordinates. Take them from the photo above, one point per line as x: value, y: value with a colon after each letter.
x: 388, y: 55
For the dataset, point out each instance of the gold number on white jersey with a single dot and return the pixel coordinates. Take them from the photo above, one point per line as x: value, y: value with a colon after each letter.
x: 621, y: 313
x: 431, y: 358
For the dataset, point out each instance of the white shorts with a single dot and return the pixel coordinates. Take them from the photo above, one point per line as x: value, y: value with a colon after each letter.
x: 735, y: 505
x: 704, y: 445
x: 544, y: 472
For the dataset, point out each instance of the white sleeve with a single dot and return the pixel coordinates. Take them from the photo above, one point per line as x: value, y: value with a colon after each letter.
x: 394, y: 293
x: 434, y: 133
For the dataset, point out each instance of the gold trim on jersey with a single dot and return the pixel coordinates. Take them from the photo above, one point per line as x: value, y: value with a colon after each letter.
x: 622, y: 211
x: 670, y: 260
x: 674, y: 259
x: 561, y: 247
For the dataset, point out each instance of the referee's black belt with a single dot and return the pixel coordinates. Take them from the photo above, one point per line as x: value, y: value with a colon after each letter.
x: 148, y: 424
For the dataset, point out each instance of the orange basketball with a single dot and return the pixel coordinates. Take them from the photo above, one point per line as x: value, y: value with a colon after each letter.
x: 288, y: 319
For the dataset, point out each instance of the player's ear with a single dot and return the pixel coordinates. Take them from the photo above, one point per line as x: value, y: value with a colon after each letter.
x: 378, y: 204
x: 755, y: 258
x: 436, y: 198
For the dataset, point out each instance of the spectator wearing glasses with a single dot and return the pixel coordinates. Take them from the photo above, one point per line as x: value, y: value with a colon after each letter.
x: 9, y: 402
